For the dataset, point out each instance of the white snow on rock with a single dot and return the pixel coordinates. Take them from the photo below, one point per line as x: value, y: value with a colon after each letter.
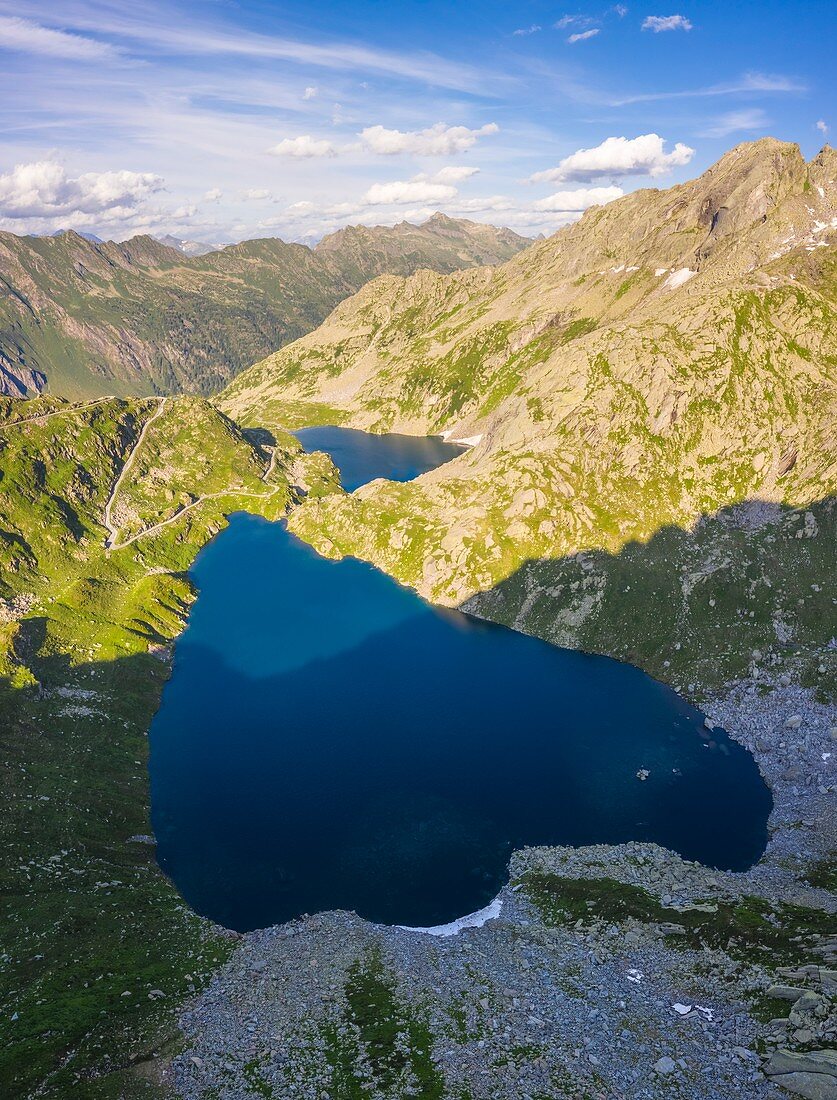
x: 466, y: 440
x: 679, y: 277
x: 660, y: 271
x: 472, y: 920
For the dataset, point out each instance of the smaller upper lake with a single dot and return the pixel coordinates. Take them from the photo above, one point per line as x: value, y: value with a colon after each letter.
x: 361, y: 457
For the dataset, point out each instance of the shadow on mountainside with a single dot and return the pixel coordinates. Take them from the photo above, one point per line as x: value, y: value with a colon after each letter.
x: 750, y: 588
x: 87, y: 917
x: 90, y: 928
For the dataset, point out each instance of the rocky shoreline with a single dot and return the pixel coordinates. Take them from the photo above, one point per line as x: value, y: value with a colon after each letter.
x: 608, y: 972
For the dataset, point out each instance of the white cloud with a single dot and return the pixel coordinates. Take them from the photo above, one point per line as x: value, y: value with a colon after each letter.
x: 213, y: 195
x: 311, y: 92
x: 749, y: 82
x: 580, y: 199
x: 24, y: 36
x: 582, y: 36
x: 256, y: 194
x: 618, y: 157
x: 401, y: 191
x: 303, y: 146
x: 822, y: 126
x: 573, y: 21
x: 620, y: 10
x: 657, y: 23
x: 43, y: 189
x: 454, y: 174
x: 747, y: 120
x: 436, y: 141
x: 527, y: 30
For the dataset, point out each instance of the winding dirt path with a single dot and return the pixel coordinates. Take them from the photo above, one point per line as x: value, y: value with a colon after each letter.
x: 173, y: 519
x: 110, y: 541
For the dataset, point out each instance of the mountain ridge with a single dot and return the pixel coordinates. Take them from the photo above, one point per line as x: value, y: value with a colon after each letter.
x: 139, y: 317
x: 667, y: 356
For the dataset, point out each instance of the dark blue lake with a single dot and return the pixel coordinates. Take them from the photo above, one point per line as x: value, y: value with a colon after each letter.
x: 329, y: 740
x: 361, y: 457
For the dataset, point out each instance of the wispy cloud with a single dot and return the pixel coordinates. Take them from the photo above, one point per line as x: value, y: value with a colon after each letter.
x: 750, y: 82
x: 822, y: 126
x: 573, y: 21
x: 749, y: 120
x: 156, y: 29
x: 582, y: 36
x: 659, y: 23
x: 25, y: 36
x: 522, y: 31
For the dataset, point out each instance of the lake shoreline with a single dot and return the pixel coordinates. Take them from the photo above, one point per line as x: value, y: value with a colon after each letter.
x: 497, y: 972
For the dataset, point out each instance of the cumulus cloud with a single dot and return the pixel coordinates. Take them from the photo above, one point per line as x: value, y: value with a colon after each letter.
x: 582, y: 36
x: 733, y: 122
x: 658, y: 23
x: 618, y: 157
x: 303, y: 146
x: 43, y: 189
x: 403, y: 191
x: 527, y: 30
x: 581, y: 198
x: 213, y: 195
x: 436, y: 141
x: 310, y: 92
x: 24, y: 36
x: 822, y: 126
x: 256, y: 194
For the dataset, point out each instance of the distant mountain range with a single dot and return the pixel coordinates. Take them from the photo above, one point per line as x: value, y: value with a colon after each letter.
x: 83, y: 317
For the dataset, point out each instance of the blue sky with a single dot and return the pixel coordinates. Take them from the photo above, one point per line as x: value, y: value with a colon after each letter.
x: 220, y: 121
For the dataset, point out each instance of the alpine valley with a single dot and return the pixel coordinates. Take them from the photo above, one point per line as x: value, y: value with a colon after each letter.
x: 645, y: 404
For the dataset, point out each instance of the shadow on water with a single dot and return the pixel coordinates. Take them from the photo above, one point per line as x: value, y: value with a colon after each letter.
x: 330, y: 740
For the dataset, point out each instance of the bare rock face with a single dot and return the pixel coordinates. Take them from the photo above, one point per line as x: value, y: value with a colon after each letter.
x: 812, y: 1075
x: 19, y: 381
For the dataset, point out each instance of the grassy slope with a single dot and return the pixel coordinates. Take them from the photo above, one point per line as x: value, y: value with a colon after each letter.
x: 86, y: 917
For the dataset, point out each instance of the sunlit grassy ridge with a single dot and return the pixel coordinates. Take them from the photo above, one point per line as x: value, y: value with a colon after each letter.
x: 89, y: 926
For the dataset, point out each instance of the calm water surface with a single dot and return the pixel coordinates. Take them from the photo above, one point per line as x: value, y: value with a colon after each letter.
x: 361, y: 457
x: 329, y: 740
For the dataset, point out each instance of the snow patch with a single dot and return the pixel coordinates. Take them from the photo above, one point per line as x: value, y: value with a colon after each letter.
x: 472, y: 920
x: 660, y: 271
x: 679, y: 277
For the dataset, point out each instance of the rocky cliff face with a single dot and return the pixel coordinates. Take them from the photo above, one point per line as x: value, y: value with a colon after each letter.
x: 90, y: 318
x: 633, y: 387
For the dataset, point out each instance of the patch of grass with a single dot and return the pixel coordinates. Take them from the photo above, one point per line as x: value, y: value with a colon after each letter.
x: 379, y: 1032
x: 749, y: 929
